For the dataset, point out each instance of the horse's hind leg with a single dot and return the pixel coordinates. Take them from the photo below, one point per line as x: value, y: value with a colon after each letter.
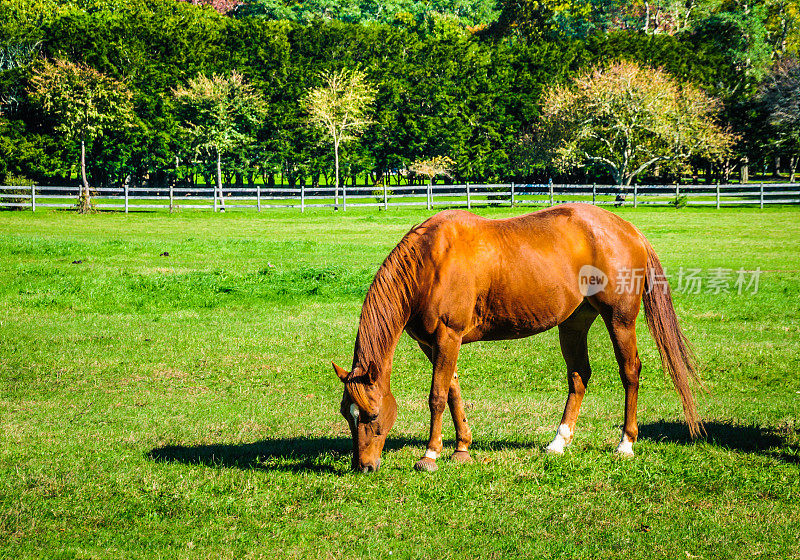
x: 463, y: 433
x: 572, y: 335
x: 623, y: 337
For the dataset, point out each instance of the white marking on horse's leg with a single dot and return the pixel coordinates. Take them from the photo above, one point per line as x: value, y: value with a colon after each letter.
x: 625, y: 446
x: 431, y: 454
x: 562, y: 439
x: 354, y: 412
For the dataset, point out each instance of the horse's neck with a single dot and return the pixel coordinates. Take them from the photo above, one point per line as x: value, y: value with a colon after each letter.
x: 379, y: 330
x: 387, y: 307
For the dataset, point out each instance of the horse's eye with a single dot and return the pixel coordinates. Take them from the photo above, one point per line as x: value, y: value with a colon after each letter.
x: 373, y: 428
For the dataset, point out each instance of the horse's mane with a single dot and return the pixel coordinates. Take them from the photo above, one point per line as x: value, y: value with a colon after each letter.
x: 387, y: 306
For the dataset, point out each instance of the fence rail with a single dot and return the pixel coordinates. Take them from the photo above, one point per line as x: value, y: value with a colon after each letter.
x: 177, y: 198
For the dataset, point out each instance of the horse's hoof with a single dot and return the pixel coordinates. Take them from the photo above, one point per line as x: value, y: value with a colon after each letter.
x: 554, y: 449
x: 624, y: 453
x: 426, y: 464
x: 625, y: 447
x: 461, y: 457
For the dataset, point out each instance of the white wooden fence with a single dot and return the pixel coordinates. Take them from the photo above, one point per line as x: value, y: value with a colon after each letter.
x: 178, y: 198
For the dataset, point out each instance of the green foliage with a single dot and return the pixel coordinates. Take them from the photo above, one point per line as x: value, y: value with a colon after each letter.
x: 465, y: 12
x: 445, y: 85
x: 741, y: 38
x: 220, y: 115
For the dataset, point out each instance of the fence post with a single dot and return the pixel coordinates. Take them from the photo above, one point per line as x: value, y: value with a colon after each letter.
x: 302, y: 197
x: 469, y: 199
x: 126, y: 196
x: 215, y: 198
x: 344, y: 196
x: 635, y: 195
x: 385, y: 196
x: 550, y: 184
x: 33, y: 198
x: 717, y: 195
x: 761, y: 196
x: 258, y: 196
x: 512, y: 195
x: 594, y: 193
x: 171, y: 197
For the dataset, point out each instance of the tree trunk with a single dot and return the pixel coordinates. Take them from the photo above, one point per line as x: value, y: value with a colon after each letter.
x: 622, y: 188
x: 793, y: 167
x: 336, y: 165
x: 744, y: 171
x: 219, y: 182
x: 85, y: 201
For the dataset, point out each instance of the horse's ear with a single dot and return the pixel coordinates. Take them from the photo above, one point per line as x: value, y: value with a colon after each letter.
x: 340, y: 372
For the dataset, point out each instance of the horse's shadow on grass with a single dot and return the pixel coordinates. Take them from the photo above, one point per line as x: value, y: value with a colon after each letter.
x: 314, y: 454
x: 325, y: 454
x: 735, y: 437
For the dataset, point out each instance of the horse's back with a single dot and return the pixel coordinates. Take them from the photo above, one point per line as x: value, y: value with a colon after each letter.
x: 569, y: 232
x: 518, y: 276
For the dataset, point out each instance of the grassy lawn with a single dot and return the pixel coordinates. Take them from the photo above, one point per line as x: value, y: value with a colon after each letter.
x: 166, y: 392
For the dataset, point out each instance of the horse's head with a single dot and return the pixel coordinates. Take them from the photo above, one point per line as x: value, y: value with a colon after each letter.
x: 370, y: 410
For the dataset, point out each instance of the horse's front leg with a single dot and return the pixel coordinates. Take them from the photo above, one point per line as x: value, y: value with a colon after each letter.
x: 444, y: 356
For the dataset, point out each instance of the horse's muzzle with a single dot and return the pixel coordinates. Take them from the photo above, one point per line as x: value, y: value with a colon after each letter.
x: 371, y: 467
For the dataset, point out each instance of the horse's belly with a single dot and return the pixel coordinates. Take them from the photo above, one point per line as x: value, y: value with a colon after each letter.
x: 517, y: 322
x: 503, y: 333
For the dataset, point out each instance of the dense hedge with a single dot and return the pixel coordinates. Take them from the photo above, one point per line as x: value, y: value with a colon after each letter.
x: 442, y: 88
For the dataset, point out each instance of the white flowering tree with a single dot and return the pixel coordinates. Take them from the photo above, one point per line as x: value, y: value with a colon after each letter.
x: 628, y: 118
x: 340, y: 108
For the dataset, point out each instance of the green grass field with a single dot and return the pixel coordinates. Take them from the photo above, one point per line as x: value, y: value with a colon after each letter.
x: 184, y: 406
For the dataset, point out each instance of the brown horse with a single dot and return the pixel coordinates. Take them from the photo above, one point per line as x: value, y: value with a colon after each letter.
x: 458, y: 278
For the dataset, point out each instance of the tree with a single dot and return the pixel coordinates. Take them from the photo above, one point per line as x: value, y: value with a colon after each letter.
x: 433, y: 167
x: 339, y: 108
x: 780, y: 99
x: 628, y: 118
x: 221, y: 115
x: 84, y: 103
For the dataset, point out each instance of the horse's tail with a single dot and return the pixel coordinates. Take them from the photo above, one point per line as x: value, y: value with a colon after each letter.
x: 677, y: 356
